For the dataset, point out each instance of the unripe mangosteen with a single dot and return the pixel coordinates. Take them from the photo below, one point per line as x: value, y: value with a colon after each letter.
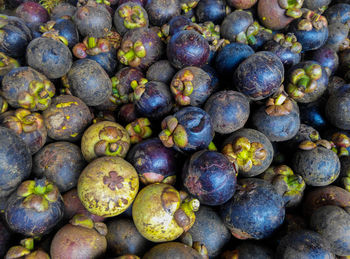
x: 61, y: 163
x: 108, y: 186
x: 49, y: 56
x: 29, y: 126
x: 35, y: 208
x: 105, y: 138
x: 66, y: 118
x: 255, y: 211
x: 81, y: 238
x: 15, y: 161
x: 88, y: 81
x: 27, y: 88
x: 260, y: 75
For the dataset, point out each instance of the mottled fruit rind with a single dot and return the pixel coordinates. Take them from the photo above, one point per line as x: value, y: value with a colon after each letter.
x: 104, y: 133
x: 108, y: 186
x: 174, y: 250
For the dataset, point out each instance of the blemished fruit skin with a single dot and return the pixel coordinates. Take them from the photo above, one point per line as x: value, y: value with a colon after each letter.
x: 108, y: 186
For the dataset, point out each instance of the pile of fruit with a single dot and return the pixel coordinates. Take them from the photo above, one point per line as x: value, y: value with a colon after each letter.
x: 175, y: 129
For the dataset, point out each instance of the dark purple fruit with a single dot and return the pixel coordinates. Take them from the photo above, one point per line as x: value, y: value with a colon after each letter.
x: 188, y: 48
x: 304, y: 244
x: 66, y: 118
x: 333, y: 223
x: 49, y: 56
x: 29, y: 126
x: 305, y: 132
x: 308, y: 81
x: 278, y: 119
x: 337, y: 108
x: 228, y: 110
x: 286, y: 47
x: 15, y: 36
x: 32, y: 13
x: 188, y: 130
x: 88, y: 81
x: 230, y: 56
x: 250, y: 149
x: 161, y: 71
x: 191, y: 86
x: 338, y: 13
x: 161, y: 11
x: 129, y: 16
x: 250, y: 250
x: 154, y: 162
x: 327, y: 58
x: 316, y: 5
x: 255, y: 211
x: 15, y: 161
x: 177, y: 23
x: 123, y: 238
x: 210, y: 177
x: 27, y: 88
x: 316, y: 163
x: 235, y: 25
x: 61, y: 163
x: 209, y: 230
x: 63, y: 9
x: 153, y: 100
x: 211, y: 10
x: 127, y: 113
x: 140, y: 48
x: 337, y: 38
x: 35, y: 208
x: 311, y: 30
x: 172, y: 250
x: 241, y: 4
x: 93, y: 19
x: 260, y: 75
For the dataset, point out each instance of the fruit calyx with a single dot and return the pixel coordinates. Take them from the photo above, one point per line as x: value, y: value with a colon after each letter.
x: 288, y: 41
x: 85, y: 222
x: 245, y: 153
x: 304, y: 80
x: 279, y: 105
x: 111, y: 142
x: 38, y: 194
x: 341, y: 143
x: 23, y: 121
x: 182, y: 87
x: 91, y: 46
x: 312, y: 20
x: 292, y: 7
x: 133, y: 16
x: 173, y: 133
x: 310, y: 145
x: 7, y: 64
x: 139, y: 129
x: 131, y: 53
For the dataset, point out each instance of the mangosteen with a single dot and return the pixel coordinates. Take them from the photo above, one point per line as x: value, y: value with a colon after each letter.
x: 172, y: 250
x: 161, y: 11
x: 161, y: 71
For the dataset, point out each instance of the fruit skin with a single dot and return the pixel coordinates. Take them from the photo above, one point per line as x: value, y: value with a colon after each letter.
x: 253, y: 136
x: 319, y: 166
x: 123, y: 238
x: 159, y: 215
x: 93, y: 20
x: 333, y: 223
x: 26, y: 214
x: 210, y: 10
x: 210, y: 230
x: 260, y: 75
x: 161, y: 71
x: 327, y: 58
x: 337, y: 108
x: 88, y: 81
x: 250, y: 250
x: 153, y: 162
x: 20, y: 82
x: 79, y: 241
x: 210, y: 177
x: 49, y: 56
x: 304, y: 244
x: 60, y: 162
x: 115, y: 184
x: 99, y: 136
x: 155, y: 101
x: 16, y: 36
x: 228, y: 110
x: 174, y: 250
x: 161, y: 11
x: 184, y: 42
x: 255, y: 211
x: 230, y: 56
x: 15, y: 161
x: 32, y: 13
x: 235, y: 23
x: 66, y: 118
x: 241, y: 4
